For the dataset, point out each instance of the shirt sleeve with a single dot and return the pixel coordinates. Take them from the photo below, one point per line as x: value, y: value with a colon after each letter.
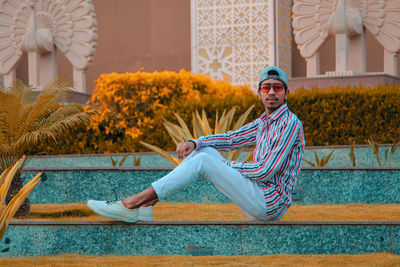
x: 273, y: 159
x: 245, y: 136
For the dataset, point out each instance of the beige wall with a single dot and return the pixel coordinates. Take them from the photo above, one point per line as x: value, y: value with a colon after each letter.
x: 155, y: 35
x: 327, y: 57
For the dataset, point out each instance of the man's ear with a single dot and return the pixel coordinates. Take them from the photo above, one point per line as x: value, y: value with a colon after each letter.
x: 286, y: 93
x: 259, y: 94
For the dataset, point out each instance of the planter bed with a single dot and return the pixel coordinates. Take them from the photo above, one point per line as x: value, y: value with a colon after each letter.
x: 315, y: 185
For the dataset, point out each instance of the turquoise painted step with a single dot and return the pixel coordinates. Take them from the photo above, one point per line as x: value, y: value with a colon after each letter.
x: 340, y: 158
x: 314, y: 186
x: 32, y: 238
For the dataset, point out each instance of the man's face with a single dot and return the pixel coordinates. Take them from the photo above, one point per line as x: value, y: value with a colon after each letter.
x: 272, y: 100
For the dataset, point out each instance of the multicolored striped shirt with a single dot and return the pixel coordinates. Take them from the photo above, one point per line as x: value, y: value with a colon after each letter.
x: 279, y: 146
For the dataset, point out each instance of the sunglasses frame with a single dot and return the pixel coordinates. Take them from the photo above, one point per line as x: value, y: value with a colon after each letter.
x: 272, y: 85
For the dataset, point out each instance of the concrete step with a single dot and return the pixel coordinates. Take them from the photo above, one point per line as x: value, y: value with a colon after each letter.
x: 315, y: 185
x: 33, y: 238
x: 340, y: 158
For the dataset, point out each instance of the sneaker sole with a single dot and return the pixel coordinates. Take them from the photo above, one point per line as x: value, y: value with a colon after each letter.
x: 148, y: 219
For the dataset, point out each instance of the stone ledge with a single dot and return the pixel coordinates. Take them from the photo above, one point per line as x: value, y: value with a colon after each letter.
x: 322, y: 81
x: 370, y: 185
x: 224, y: 223
x: 166, y: 168
x: 40, y: 238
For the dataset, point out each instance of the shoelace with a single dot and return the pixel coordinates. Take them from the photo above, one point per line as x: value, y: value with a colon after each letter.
x: 114, y: 202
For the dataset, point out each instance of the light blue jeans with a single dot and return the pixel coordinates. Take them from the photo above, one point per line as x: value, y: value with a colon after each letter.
x: 208, y: 163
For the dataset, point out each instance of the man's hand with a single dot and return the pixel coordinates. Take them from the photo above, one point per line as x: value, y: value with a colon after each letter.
x: 184, y: 149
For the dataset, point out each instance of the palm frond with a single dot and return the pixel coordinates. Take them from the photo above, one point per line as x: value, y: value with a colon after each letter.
x: 242, y: 119
x: 51, y: 129
x: 33, y: 115
x: 387, y: 157
x: 218, y: 125
x: 24, y: 92
x: 394, y: 147
x: 136, y: 161
x: 9, y: 174
x: 250, y: 156
x: 10, y: 107
x: 175, y: 132
x: 319, y: 162
x: 26, y: 120
x: 113, y: 163
x: 216, y: 122
x: 226, y: 121
x: 325, y: 159
x: 185, y: 129
x: 201, y: 127
x: 317, y: 158
x: 174, y: 160
x: 207, y: 128
x: 12, y: 207
x: 227, y: 154
x: 352, y: 153
x: 392, y: 150
x: 309, y: 162
x: 236, y: 154
x: 197, y: 127
x: 375, y: 149
x: 123, y: 160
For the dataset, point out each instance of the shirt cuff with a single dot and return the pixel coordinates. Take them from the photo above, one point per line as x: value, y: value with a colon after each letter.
x: 196, y: 143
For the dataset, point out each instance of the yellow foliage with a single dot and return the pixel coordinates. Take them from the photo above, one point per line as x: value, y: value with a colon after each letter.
x: 7, y: 211
x: 133, y: 105
x: 333, y: 115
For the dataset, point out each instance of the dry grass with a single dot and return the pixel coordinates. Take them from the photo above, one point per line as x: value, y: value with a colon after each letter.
x: 226, y: 212
x: 377, y: 259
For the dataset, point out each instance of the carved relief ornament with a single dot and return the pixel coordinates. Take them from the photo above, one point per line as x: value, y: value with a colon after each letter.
x: 40, y: 27
x: 315, y: 20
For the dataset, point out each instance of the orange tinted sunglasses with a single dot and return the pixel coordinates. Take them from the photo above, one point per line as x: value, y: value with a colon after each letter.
x: 266, y: 87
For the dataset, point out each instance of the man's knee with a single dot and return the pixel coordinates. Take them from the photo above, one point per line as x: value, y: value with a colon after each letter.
x: 211, y: 151
x: 208, y: 150
x: 204, y: 158
x: 208, y: 166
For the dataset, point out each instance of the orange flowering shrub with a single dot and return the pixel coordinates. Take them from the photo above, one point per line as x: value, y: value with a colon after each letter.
x: 132, y: 106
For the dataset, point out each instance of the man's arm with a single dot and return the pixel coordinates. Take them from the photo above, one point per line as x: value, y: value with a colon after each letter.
x: 245, y: 136
x: 272, y: 161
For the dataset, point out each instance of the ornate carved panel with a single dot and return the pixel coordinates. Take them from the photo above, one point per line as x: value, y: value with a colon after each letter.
x: 38, y: 27
x: 235, y: 39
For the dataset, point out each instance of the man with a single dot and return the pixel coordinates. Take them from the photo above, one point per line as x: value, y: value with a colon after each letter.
x: 262, y: 189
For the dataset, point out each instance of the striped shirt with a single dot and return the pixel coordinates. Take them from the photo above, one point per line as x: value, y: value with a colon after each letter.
x: 279, y: 146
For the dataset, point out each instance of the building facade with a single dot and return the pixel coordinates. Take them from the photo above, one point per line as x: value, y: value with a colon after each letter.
x: 226, y: 39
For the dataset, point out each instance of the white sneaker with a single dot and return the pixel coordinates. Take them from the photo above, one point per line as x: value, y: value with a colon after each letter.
x: 145, y: 213
x: 116, y: 210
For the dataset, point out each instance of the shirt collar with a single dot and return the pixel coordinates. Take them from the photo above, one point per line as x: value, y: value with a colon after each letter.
x: 276, y: 114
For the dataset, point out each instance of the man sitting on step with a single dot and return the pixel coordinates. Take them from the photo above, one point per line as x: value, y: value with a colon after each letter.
x: 262, y: 189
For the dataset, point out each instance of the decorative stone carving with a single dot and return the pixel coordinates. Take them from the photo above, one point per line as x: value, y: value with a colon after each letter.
x: 40, y: 27
x: 315, y: 20
x: 235, y: 39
